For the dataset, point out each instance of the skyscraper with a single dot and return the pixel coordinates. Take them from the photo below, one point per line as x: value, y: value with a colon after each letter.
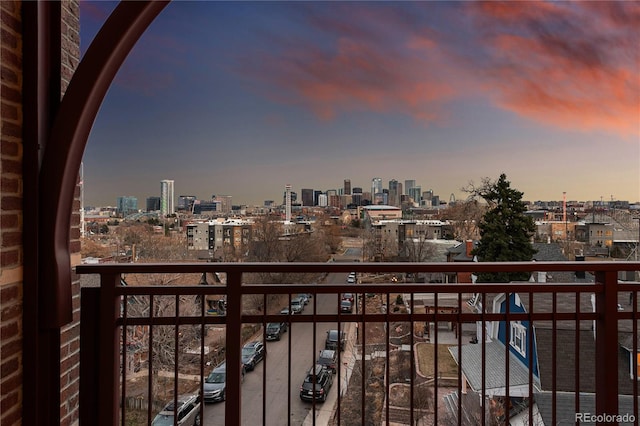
x: 408, y: 184
x: 376, y: 186
x: 307, y: 197
x: 347, y: 187
x: 287, y: 200
x: 395, y: 191
x: 167, y: 205
x: 415, y: 193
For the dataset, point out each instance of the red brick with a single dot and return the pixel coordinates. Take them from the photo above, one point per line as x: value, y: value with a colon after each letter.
x: 11, y: 129
x: 70, y: 391
x: 10, y: 20
x: 10, y: 94
x: 9, y: 367
x: 10, y: 312
x: 11, y: 383
x: 12, y: 6
x: 9, y: 220
x: 9, y: 401
x: 8, y: 38
x: 9, y: 330
x: 9, y: 57
x: 9, y: 202
x: 12, y: 418
x: 7, y: 75
x: 9, y: 293
x: 70, y: 363
x: 10, y: 148
x: 11, y: 239
x: 11, y: 166
x: 9, y: 258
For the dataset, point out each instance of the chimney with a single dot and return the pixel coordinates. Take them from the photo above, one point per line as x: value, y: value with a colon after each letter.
x: 469, y: 247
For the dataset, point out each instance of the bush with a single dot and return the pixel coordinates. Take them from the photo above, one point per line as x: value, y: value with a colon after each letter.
x: 399, y: 299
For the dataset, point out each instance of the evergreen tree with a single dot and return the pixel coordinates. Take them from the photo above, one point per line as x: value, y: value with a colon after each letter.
x: 505, y: 231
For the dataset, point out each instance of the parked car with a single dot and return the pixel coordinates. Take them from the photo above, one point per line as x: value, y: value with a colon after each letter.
x: 215, y: 385
x: 304, y: 297
x: 329, y: 359
x: 252, y: 354
x: 322, y: 378
x: 351, y: 279
x: 345, y: 306
x: 335, y: 340
x: 347, y: 296
x: 274, y: 330
x: 297, y: 305
x: 188, y: 409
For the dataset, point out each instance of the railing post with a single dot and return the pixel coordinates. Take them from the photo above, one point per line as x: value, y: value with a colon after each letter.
x: 233, y: 401
x: 607, y: 344
x: 89, y: 350
x: 109, y: 355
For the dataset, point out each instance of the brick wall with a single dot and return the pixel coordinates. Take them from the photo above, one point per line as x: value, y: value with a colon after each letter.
x: 70, y: 335
x: 11, y: 220
x: 11, y: 254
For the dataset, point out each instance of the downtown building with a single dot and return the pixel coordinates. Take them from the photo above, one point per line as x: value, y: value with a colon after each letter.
x: 126, y: 205
x: 167, y: 201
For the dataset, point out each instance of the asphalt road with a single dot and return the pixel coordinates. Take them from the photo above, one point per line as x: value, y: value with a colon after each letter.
x: 284, y: 374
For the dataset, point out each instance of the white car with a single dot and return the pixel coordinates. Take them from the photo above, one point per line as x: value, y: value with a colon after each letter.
x: 188, y: 412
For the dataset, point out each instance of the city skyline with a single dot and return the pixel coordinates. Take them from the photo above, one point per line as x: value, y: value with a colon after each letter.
x: 242, y: 98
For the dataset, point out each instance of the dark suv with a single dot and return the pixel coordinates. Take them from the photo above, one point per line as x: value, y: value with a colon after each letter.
x: 322, y: 378
x: 328, y: 358
x: 335, y: 340
x: 274, y: 330
x: 252, y: 353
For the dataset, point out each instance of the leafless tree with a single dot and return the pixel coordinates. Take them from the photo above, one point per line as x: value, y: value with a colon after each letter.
x: 165, y: 345
x: 464, y: 218
x: 272, y: 244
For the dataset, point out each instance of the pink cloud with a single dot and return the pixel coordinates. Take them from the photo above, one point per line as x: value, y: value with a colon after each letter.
x: 363, y: 76
x: 566, y: 65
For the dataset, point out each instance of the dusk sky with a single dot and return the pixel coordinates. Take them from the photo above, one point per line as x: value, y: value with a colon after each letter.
x: 242, y: 98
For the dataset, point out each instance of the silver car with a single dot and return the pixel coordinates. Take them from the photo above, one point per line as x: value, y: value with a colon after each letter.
x: 188, y: 412
x: 215, y: 385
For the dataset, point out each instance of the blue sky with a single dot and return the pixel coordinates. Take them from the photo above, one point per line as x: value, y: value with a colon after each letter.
x: 242, y: 98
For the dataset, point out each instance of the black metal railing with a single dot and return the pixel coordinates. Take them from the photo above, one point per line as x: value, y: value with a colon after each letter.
x: 513, y: 349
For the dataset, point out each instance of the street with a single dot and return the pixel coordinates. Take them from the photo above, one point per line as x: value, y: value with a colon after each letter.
x: 283, y: 372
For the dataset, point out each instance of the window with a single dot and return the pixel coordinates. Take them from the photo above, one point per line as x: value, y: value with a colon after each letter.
x: 518, y: 337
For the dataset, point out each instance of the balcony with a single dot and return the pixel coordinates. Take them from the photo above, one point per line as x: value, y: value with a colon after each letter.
x: 432, y: 353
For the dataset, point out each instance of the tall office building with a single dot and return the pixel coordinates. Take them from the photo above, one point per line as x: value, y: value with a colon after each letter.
x: 376, y: 186
x: 415, y: 193
x: 287, y: 202
x: 167, y: 204
x: 307, y: 197
x: 395, y: 191
x: 408, y: 184
x: 347, y: 187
